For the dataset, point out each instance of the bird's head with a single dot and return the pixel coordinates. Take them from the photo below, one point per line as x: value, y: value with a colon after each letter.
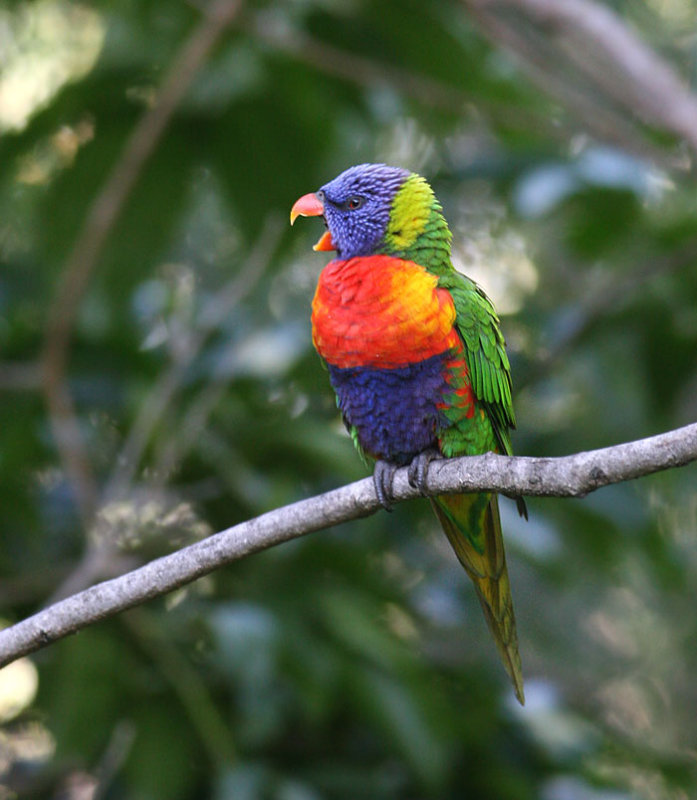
x: 371, y: 209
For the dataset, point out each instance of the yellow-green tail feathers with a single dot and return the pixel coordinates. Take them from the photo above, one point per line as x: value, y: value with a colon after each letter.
x: 472, y: 525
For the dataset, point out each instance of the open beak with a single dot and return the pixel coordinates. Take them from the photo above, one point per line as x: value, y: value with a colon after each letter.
x: 309, y: 205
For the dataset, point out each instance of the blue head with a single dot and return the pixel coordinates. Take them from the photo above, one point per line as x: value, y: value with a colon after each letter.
x: 356, y: 207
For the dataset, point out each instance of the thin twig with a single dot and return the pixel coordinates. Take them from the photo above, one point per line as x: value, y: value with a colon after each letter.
x: 192, y: 425
x: 569, y: 476
x: 609, y: 298
x: 97, y: 227
x: 212, y: 315
x: 187, y: 683
x: 113, y: 757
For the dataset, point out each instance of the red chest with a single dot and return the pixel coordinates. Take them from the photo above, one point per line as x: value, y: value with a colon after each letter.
x: 378, y: 311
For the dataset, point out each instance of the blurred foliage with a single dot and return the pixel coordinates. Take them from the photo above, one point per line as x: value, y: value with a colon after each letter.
x: 354, y: 663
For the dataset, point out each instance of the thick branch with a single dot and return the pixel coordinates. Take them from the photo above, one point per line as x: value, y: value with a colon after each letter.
x: 569, y: 476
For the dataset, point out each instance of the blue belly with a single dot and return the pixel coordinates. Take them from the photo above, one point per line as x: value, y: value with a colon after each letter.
x: 394, y: 411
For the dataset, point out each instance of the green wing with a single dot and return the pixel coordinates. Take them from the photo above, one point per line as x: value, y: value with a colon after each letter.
x: 471, y: 522
x: 485, y: 352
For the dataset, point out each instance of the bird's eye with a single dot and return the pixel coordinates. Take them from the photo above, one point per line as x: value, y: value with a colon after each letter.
x: 354, y: 202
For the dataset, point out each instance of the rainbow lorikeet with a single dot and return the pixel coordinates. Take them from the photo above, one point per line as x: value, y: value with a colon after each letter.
x: 417, y: 360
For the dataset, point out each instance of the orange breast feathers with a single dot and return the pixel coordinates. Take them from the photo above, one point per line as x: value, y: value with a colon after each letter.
x: 381, y: 312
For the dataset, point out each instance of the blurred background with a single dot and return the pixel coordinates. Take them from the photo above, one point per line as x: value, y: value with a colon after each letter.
x: 158, y: 383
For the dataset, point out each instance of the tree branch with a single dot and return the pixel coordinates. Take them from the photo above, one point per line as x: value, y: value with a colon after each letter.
x: 599, y: 44
x: 569, y: 476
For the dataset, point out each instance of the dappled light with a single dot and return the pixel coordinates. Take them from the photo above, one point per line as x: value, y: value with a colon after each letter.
x: 45, y: 45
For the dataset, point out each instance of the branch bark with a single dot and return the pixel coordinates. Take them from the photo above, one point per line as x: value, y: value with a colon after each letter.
x: 568, y: 476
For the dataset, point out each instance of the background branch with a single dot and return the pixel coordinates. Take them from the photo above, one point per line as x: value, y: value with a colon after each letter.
x: 170, y: 380
x: 601, y: 52
x: 369, y: 73
x: 101, y: 557
x: 97, y: 227
x: 568, y: 476
x: 613, y: 296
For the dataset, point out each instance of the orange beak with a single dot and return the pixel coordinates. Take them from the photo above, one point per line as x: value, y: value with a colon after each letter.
x: 309, y: 205
x: 324, y: 243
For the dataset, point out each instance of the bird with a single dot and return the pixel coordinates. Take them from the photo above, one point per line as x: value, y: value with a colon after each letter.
x: 417, y: 361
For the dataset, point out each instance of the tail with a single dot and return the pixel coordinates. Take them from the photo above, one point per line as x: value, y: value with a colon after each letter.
x: 472, y: 524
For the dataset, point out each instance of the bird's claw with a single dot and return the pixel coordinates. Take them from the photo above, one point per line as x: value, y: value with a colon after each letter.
x: 418, y: 469
x: 383, y: 476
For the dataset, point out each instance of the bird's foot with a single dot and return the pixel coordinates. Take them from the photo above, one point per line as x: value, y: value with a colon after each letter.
x: 418, y: 469
x: 383, y: 476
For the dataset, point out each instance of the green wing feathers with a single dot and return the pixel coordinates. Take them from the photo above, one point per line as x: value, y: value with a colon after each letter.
x: 489, y: 369
x: 472, y: 525
x: 485, y: 347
